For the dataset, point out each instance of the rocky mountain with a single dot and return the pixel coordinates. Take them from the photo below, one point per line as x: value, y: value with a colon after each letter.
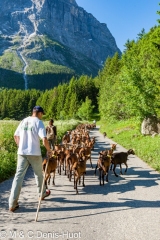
x: 45, y: 42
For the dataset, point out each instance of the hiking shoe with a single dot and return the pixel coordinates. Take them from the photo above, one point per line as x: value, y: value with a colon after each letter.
x: 14, y: 209
x: 47, y: 193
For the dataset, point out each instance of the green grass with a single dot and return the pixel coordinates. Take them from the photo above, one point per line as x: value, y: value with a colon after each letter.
x: 42, y: 67
x: 8, y: 149
x: 10, y: 61
x: 127, y: 133
x: 11, y: 70
x: 8, y: 156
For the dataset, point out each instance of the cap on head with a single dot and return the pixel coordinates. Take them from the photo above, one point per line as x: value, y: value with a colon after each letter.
x: 38, y: 109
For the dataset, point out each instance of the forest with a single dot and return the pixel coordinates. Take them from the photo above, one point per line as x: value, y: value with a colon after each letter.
x: 127, y: 86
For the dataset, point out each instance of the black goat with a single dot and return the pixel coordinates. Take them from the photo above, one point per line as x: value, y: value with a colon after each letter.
x: 104, y: 134
x: 119, y: 158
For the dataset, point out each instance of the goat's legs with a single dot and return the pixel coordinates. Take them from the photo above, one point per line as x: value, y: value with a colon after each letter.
x: 107, y: 177
x: 74, y: 180
x: 68, y: 170
x: 65, y: 167
x: 53, y: 182
x: 48, y: 176
x: 107, y: 174
x: 114, y: 170
x: 58, y: 165
x: 76, y: 185
x: 45, y: 182
x: 103, y: 177
x: 70, y: 173
x: 79, y: 180
x: 95, y: 170
x: 121, y: 169
x: 91, y: 162
x: 111, y: 166
x: 59, y: 168
x: 49, y: 180
x: 83, y: 180
x: 100, y: 175
x: 126, y: 167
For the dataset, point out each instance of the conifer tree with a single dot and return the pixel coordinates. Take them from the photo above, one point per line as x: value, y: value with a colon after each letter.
x: 71, y: 89
x: 86, y: 109
x: 158, y: 12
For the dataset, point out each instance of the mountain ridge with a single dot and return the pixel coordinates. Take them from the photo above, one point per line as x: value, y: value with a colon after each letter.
x: 59, y: 31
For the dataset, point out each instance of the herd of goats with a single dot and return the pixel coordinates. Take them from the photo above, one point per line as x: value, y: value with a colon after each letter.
x: 74, y: 152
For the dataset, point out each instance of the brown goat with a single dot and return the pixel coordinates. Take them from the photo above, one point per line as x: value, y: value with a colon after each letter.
x: 79, y: 169
x: 103, y: 164
x: 61, y: 161
x: 91, y: 143
x: 119, y: 158
x: 52, y: 165
x: 71, y: 158
x: 113, y: 147
x: 59, y: 147
x: 66, y: 138
x: 86, y: 151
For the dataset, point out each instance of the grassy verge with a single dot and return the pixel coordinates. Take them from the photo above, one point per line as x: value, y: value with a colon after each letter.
x: 8, y: 149
x: 127, y: 133
x: 8, y: 156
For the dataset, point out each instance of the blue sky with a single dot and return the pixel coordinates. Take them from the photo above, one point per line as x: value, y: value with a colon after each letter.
x: 124, y: 18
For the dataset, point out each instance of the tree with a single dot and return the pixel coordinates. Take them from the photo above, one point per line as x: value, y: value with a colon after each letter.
x: 86, y: 110
x: 141, y: 34
x: 73, y: 106
x: 62, y: 90
x: 158, y: 12
x: 107, y: 89
x: 128, y: 45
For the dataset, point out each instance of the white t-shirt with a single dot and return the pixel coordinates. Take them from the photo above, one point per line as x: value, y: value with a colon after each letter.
x: 30, y: 130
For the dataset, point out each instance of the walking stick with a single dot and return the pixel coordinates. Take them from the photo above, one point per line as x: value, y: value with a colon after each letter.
x: 40, y: 199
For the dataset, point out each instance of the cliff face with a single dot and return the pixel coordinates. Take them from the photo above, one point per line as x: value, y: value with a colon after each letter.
x: 58, y: 31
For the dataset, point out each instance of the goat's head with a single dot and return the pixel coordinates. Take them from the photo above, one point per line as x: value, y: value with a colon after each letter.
x: 131, y: 151
x: 54, y: 154
x: 113, y: 146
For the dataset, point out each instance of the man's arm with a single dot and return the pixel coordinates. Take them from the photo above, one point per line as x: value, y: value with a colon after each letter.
x: 17, y: 134
x: 16, y: 139
x: 46, y: 145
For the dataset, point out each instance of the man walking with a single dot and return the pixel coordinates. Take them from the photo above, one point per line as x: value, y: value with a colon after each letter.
x: 27, y: 137
x: 51, y: 132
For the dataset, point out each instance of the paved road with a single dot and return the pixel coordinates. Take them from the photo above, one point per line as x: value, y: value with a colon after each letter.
x: 126, y: 208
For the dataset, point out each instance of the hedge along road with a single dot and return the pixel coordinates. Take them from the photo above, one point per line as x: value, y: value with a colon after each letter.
x: 128, y: 207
